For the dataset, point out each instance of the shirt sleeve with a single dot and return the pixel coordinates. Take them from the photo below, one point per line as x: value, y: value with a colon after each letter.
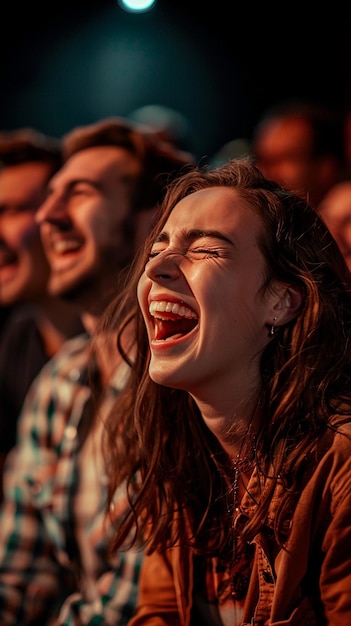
x: 44, y: 577
x: 114, y: 599
x: 33, y: 581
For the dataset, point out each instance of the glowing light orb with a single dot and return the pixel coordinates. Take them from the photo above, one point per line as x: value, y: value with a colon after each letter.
x: 136, y: 6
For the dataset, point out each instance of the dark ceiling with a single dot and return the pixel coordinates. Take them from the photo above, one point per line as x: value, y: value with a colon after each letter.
x: 220, y: 66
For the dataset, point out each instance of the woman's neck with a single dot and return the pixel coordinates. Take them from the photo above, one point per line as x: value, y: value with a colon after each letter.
x: 233, y: 425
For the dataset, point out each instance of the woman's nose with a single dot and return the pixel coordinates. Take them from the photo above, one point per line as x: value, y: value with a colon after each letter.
x: 163, y: 266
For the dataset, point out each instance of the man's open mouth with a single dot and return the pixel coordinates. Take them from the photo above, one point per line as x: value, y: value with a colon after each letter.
x: 66, y: 245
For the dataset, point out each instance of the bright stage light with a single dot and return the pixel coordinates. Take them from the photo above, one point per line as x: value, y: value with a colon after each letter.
x: 136, y: 6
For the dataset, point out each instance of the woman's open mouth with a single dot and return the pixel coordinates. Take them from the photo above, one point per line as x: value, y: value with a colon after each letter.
x: 172, y: 320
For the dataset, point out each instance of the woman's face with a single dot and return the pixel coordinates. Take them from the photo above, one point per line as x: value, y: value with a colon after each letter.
x: 207, y: 317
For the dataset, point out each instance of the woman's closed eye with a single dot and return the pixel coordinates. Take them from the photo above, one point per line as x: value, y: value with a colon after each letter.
x: 193, y: 251
x: 153, y: 254
x: 204, y: 251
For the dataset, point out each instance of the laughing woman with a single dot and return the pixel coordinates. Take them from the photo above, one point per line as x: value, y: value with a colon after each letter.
x: 237, y: 418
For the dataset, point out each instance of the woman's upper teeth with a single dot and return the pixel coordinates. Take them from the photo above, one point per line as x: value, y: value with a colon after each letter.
x: 176, y: 308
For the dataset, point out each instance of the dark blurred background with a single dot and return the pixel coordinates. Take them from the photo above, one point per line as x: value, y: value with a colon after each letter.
x: 219, y: 65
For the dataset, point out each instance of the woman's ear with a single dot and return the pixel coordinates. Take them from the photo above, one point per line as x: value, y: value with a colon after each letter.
x: 287, y: 306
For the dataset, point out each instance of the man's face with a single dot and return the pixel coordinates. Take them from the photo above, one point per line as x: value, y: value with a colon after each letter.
x: 283, y: 152
x: 82, y: 222
x: 24, y: 269
x: 335, y: 210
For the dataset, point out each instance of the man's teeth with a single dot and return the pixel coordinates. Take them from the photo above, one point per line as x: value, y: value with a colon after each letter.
x: 66, y: 245
x: 171, y: 307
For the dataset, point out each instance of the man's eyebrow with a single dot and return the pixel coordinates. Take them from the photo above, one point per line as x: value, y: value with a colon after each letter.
x: 74, y: 183
x: 194, y: 234
x: 84, y: 181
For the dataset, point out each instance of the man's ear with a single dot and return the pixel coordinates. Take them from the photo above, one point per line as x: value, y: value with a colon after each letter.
x: 288, y: 305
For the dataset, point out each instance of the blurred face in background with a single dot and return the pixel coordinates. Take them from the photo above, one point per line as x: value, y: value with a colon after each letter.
x: 83, y: 222
x: 284, y: 152
x: 24, y: 269
x: 335, y: 210
x: 347, y: 140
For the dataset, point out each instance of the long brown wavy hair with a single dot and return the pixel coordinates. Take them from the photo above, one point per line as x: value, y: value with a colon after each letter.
x: 156, y: 439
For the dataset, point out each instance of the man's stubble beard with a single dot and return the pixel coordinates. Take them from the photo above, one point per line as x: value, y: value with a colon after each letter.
x: 78, y: 291
x: 97, y: 287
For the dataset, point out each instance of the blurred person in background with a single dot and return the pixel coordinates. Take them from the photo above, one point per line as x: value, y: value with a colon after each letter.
x: 4, y: 313
x: 167, y: 123
x: 36, y: 323
x: 55, y: 562
x: 335, y: 210
x: 347, y: 139
x: 299, y: 144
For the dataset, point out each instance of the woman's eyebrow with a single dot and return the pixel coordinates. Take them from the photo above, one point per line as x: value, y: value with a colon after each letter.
x: 194, y: 234
x: 200, y: 234
x: 161, y: 237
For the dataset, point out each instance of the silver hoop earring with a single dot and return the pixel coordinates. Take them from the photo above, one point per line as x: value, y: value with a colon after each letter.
x: 272, y: 331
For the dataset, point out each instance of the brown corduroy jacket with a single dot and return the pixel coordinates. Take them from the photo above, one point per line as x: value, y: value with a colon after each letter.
x: 308, y: 584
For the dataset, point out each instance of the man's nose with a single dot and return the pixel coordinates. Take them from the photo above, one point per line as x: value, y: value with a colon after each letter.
x: 52, y: 210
